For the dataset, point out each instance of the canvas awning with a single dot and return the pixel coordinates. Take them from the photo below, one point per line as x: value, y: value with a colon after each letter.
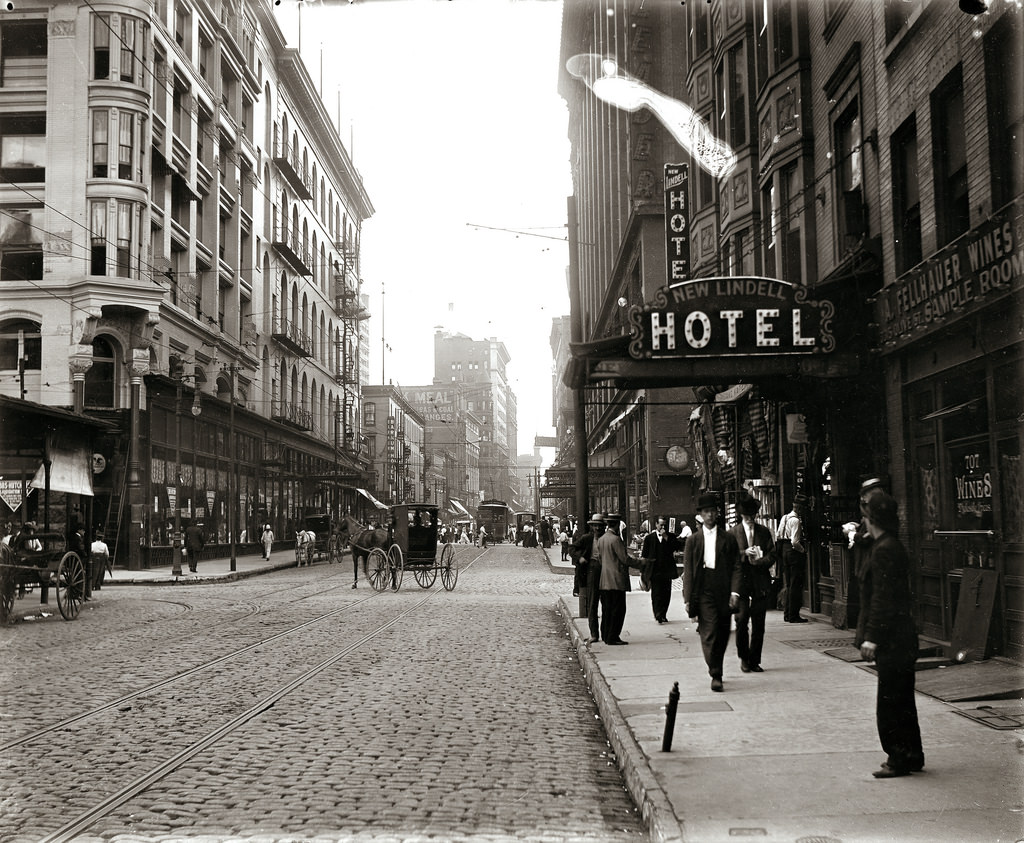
x: 459, y: 507
x: 372, y: 499
x: 70, y: 467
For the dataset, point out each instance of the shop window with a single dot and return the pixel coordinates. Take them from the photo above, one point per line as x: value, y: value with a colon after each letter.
x: 23, y: 54
x: 1005, y: 108
x: 21, y: 340
x: 23, y: 148
x: 906, y: 190
x: 21, y: 244
x: 1011, y: 489
x: 949, y: 146
x: 101, y: 378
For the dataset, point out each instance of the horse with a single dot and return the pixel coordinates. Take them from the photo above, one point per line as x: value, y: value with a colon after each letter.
x: 362, y: 539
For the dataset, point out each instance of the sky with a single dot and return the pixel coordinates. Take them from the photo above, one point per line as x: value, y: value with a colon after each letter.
x: 451, y: 113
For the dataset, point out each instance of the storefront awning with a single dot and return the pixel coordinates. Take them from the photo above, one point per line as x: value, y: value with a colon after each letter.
x: 70, y: 467
x: 459, y: 507
x: 372, y: 499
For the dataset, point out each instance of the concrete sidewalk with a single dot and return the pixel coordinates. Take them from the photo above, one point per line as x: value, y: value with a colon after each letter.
x: 787, y: 755
x: 213, y: 570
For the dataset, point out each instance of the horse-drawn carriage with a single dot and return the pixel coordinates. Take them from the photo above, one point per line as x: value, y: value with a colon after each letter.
x: 409, y: 543
x: 327, y: 544
x: 51, y: 563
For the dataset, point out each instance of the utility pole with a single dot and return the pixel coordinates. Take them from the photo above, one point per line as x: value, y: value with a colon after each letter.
x: 232, y: 467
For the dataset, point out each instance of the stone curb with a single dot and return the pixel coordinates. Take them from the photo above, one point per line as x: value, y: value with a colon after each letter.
x: 655, y: 808
x: 185, y: 579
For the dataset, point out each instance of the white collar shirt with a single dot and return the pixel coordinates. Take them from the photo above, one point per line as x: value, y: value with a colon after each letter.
x: 710, y: 539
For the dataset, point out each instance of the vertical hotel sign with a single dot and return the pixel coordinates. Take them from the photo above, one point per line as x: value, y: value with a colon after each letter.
x: 677, y: 222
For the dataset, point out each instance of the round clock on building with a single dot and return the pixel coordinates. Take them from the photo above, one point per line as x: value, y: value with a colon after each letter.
x: 677, y: 458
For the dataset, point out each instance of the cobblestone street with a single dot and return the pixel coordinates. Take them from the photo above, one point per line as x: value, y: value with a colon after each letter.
x: 292, y: 707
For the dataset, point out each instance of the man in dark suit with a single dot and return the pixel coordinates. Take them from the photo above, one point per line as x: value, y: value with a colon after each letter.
x: 887, y: 635
x: 195, y: 541
x: 757, y: 552
x: 658, y: 554
x: 588, y: 572
x: 711, y: 584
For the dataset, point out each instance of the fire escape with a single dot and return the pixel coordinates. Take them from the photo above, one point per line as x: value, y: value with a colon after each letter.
x: 346, y: 298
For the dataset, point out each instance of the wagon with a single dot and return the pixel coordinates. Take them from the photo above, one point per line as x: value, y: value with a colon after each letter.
x: 51, y: 564
x: 327, y: 543
x: 413, y: 546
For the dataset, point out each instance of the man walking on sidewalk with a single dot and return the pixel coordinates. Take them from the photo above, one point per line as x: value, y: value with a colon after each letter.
x: 613, y: 581
x: 711, y: 585
x: 195, y: 541
x: 588, y: 572
x: 757, y: 552
x: 658, y: 554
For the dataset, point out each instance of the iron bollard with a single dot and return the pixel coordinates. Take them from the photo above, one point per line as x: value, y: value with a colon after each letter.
x: 670, y: 717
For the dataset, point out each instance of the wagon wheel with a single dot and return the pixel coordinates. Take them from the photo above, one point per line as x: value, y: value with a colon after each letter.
x: 449, y: 567
x: 425, y: 576
x: 397, y: 564
x: 70, y: 585
x: 377, y: 569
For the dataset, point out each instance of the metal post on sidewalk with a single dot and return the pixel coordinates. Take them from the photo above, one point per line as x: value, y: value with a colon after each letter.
x: 670, y: 717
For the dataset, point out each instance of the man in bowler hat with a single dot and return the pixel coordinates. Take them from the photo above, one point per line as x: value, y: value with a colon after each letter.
x: 712, y: 578
x: 658, y: 554
x: 588, y: 568
x: 757, y: 552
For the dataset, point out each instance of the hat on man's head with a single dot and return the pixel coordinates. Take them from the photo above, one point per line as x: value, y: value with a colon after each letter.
x: 872, y: 483
x: 709, y: 500
x: 749, y: 506
x: 799, y: 499
x: 882, y: 509
x: 596, y: 518
x: 30, y: 525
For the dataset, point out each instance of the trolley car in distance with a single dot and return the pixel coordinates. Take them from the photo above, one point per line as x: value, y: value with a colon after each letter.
x: 493, y: 515
x: 521, y: 520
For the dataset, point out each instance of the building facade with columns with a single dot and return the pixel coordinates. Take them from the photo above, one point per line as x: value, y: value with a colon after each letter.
x: 179, y: 248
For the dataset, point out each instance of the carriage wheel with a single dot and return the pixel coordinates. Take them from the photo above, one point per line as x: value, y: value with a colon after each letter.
x: 449, y: 567
x: 397, y: 564
x: 425, y: 576
x: 377, y: 569
x: 70, y: 585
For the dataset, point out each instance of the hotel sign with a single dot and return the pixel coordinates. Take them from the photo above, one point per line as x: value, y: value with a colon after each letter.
x: 731, y: 317
x: 974, y: 270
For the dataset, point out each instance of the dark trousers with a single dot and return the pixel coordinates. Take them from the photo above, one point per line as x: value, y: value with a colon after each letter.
x: 795, y: 572
x: 593, y: 605
x: 896, y: 710
x: 750, y: 629
x: 613, y: 615
x: 713, y: 625
x: 661, y: 594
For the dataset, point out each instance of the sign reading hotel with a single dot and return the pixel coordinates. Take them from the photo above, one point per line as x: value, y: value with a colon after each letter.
x: 677, y: 222
x: 972, y: 271
x: 731, y: 317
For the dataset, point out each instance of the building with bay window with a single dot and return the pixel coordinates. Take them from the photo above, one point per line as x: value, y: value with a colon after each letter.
x: 180, y: 231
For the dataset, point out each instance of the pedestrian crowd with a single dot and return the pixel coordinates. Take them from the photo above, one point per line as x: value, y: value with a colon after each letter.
x: 727, y: 576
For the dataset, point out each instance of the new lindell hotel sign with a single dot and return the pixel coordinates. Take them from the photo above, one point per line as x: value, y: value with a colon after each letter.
x: 723, y: 317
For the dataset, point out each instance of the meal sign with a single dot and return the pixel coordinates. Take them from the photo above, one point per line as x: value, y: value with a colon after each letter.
x: 731, y: 317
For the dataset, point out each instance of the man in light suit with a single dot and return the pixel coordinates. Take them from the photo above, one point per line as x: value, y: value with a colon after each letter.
x: 757, y: 552
x: 712, y: 578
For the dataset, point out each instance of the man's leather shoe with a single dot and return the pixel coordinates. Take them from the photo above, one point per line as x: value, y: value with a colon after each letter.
x: 799, y: 620
x: 716, y: 685
x: 887, y: 772
x: 620, y: 641
x: 756, y: 668
x: 744, y: 666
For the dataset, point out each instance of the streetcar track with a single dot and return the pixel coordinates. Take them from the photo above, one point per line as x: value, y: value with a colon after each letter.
x: 84, y: 820
x: 170, y: 680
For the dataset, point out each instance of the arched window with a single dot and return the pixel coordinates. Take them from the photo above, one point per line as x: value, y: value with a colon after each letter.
x: 101, y: 379
x: 269, y: 140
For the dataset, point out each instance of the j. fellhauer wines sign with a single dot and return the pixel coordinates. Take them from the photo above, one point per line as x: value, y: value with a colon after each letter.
x: 731, y: 317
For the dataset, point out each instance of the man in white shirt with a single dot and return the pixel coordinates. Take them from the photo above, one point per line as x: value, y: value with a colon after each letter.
x: 712, y: 579
x: 794, y: 559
